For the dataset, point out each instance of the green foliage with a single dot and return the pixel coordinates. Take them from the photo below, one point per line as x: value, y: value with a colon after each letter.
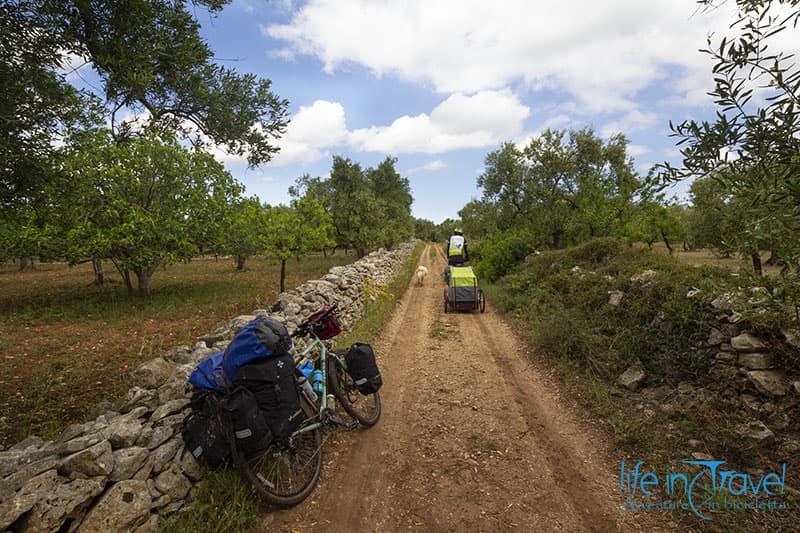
x: 150, y: 59
x: 393, y: 194
x: 241, y: 232
x: 27, y: 235
x: 150, y: 56
x: 712, y: 219
x: 752, y: 146
x: 369, y: 208
x: 723, y: 220
x: 654, y: 219
x: 445, y: 229
x: 37, y: 105
x: 424, y: 230
x: 292, y: 232
x: 479, y: 219
x: 139, y: 203
x: 502, y: 252
x: 564, y: 187
x: 570, y: 318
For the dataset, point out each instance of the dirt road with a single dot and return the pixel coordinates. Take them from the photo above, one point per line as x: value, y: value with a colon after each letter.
x: 472, y: 438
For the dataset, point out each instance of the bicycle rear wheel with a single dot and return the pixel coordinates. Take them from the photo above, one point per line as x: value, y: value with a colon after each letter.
x: 284, y: 476
x: 365, y: 409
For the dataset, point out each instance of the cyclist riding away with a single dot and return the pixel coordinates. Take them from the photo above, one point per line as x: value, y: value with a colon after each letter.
x: 456, y: 249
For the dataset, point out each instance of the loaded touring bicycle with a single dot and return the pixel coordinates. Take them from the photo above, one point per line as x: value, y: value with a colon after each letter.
x: 462, y: 292
x: 262, y: 406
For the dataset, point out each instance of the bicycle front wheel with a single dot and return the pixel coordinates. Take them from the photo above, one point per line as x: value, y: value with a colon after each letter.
x: 365, y: 409
x: 285, y: 475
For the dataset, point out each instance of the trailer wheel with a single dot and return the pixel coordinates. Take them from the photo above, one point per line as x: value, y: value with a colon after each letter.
x: 482, y: 301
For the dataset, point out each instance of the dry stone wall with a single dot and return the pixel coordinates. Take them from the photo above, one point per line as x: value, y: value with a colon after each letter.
x: 121, y: 470
x: 758, y: 397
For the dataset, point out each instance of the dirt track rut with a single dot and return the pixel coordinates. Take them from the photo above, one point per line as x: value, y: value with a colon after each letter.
x: 472, y: 438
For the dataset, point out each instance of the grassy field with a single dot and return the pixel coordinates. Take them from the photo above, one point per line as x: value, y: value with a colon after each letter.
x: 68, y: 345
x: 706, y: 257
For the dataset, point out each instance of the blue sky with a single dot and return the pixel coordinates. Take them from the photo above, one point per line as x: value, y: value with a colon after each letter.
x: 439, y: 84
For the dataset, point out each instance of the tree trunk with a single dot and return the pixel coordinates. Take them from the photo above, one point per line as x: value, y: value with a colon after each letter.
x: 283, y: 275
x: 774, y: 259
x: 361, y: 252
x: 756, y: 257
x: 557, y: 239
x: 240, y: 262
x: 324, y: 252
x: 143, y: 282
x: 143, y: 277
x: 26, y: 264
x: 666, y: 241
x: 126, y: 275
x: 99, y: 274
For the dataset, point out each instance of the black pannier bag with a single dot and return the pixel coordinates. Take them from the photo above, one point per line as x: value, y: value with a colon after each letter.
x: 363, y: 368
x: 274, y: 386
x: 250, y: 428
x: 207, y: 431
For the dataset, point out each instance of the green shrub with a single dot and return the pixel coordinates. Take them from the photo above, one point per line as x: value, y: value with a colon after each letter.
x: 499, y: 254
x: 570, y: 318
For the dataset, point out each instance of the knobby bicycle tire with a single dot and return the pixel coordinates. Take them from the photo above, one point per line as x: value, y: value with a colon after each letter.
x: 265, y: 470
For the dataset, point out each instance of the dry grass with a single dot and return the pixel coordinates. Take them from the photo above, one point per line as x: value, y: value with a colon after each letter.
x: 706, y: 257
x: 68, y: 344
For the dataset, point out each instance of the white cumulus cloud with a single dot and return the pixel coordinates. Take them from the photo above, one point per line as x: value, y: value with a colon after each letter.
x: 430, y: 166
x: 635, y: 150
x: 312, y: 130
x: 461, y: 121
x: 603, y: 53
x: 632, y: 121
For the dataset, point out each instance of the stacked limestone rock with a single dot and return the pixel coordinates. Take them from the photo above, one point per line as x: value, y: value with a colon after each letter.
x: 120, y: 471
x: 758, y: 394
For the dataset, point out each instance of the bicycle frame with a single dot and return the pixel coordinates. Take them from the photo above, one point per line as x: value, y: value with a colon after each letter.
x: 322, y: 354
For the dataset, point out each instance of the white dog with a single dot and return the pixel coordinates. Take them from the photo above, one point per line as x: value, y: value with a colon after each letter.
x: 421, y: 273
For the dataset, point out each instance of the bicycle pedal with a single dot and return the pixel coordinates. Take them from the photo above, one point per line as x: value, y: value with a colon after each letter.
x: 338, y: 420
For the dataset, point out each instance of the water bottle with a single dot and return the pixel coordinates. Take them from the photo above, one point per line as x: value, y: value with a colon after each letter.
x: 305, y: 367
x: 305, y: 386
x: 316, y: 381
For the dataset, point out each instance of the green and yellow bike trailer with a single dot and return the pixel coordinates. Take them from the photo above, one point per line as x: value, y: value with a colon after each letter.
x: 462, y: 292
